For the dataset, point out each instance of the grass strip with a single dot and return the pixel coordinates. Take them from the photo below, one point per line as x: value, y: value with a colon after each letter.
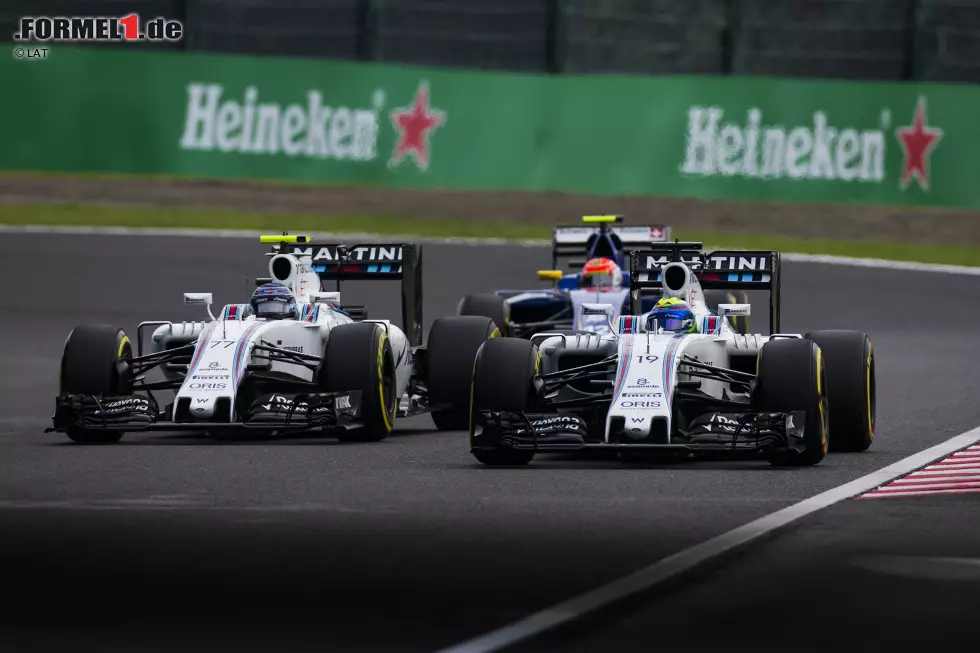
x: 68, y: 214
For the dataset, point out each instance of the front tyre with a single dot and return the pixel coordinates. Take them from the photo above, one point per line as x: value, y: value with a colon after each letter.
x: 359, y: 357
x: 791, y: 378
x: 450, y: 351
x: 850, y: 387
x: 503, y: 380
x: 95, y: 362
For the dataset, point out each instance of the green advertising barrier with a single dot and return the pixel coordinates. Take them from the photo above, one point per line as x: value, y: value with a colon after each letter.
x: 237, y: 117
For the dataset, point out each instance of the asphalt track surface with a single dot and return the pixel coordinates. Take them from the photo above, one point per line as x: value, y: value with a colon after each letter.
x: 174, y: 543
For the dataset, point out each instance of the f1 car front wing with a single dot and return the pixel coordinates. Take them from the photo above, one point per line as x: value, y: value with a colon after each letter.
x: 713, y: 432
x: 277, y: 412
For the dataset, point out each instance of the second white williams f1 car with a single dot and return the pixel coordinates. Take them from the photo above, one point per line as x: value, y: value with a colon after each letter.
x: 678, y: 378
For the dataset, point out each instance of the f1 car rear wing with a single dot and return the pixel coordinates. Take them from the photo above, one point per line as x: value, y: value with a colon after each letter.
x: 388, y: 262
x: 722, y: 270
x: 580, y: 241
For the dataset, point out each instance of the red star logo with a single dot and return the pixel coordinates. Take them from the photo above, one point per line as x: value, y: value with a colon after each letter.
x: 413, y: 124
x: 918, y: 140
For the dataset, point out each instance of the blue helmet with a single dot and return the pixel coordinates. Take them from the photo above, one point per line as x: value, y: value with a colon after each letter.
x: 274, y: 301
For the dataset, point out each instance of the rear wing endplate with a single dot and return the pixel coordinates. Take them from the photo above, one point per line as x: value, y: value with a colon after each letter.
x: 721, y: 270
x: 380, y: 262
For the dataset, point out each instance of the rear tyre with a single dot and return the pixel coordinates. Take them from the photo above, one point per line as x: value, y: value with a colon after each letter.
x: 715, y: 297
x: 359, y: 357
x: 96, y: 362
x: 791, y: 378
x: 503, y: 380
x: 491, y: 306
x: 850, y: 387
x: 451, y: 349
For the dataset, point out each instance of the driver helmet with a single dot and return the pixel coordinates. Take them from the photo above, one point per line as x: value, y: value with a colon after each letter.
x: 274, y: 301
x: 672, y: 315
x: 602, y: 274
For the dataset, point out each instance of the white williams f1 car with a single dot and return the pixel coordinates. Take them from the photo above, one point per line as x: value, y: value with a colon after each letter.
x: 678, y: 378
x: 294, y: 359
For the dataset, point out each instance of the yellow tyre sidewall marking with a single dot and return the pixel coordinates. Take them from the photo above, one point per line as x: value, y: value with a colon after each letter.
x: 122, y: 345
x: 493, y: 334
x: 824, y: 442
x: 381, y: 383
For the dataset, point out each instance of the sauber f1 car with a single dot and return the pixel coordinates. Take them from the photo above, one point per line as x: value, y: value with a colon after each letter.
x: 321, y: 367
x: 677, y: 381
x: 523, y: 313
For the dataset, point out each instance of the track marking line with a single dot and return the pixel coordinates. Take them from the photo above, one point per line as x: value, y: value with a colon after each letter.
x: 825, y: 259
x: 687, y: 559
x: 886, y: 264
x: 248, y: 234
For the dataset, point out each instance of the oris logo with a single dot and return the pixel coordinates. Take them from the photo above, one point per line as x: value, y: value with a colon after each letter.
x: 639, y: 404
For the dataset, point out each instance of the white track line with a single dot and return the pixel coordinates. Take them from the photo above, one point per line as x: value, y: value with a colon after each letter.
x: 253, y: 235
x: 660, y: 571
x: 473, y: 242
x: 882, y: 263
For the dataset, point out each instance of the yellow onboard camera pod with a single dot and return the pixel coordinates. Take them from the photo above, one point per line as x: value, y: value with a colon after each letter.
x: 284, y: 238
x: 588, y: 219
x: 551, y: 275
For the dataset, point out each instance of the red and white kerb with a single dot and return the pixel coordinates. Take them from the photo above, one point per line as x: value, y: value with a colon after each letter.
x: 958, y: 473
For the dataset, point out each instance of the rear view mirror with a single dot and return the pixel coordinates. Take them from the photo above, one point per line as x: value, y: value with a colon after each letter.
x: 325, y: 297
x: 200, y: 298
x: 600, y: 309
x: 550, y: 275
x: 725, y: 310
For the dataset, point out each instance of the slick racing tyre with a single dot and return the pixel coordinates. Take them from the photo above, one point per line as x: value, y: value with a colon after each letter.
x: 452, y: 346
x: 359, y: 357
x: 96, y: 362
x: 490, y: 306
x: 503, y: 380
x: 791, y: 377
x: 715, y: 297
x: 850, y: 387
